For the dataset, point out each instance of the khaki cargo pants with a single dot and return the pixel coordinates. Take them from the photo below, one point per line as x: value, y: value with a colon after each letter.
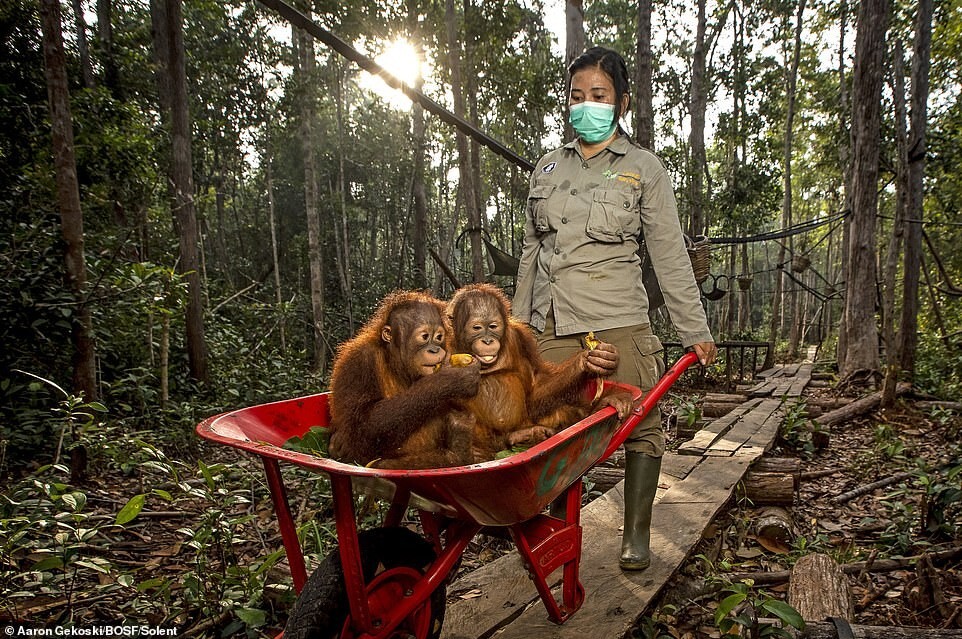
x: 640, y: 364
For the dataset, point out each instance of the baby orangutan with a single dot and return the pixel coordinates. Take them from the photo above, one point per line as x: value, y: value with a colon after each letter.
x: 394, y: 404
x: 522, y: 399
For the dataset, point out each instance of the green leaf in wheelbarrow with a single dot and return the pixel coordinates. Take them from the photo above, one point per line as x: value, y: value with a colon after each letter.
x: 313, y: 442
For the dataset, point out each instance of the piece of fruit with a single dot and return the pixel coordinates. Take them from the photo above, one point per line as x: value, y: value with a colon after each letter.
x: 590, y: 341
x: 461, y: 359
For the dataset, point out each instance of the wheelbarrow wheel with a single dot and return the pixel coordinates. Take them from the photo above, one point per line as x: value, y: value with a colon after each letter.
x: 322, y: 607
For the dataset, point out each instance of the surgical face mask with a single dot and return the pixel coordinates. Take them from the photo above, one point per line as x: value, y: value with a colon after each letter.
x: 592, y: 121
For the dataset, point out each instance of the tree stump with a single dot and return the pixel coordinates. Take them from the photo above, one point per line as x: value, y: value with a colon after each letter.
x: 818, y: 589
x: 768, y: 489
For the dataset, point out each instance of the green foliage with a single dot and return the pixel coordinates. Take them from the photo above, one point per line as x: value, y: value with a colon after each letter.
x: 687, y: 409
x: 742, y: 608
x: 796, y: 430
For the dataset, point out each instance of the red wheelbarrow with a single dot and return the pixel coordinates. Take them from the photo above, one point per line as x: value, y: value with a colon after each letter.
x: 390, y: 581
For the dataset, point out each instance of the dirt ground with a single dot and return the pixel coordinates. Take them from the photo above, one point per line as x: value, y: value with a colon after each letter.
x: 919, y: 515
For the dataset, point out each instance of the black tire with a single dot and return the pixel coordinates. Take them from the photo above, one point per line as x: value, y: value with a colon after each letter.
x: 322, y: 608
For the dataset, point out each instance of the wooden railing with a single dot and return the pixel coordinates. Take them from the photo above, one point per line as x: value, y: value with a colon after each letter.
x: 741, y: 360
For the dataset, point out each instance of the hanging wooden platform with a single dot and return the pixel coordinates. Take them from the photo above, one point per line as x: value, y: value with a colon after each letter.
x: 499, y: 600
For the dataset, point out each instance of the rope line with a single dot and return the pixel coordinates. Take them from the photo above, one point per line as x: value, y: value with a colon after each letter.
x: 801, y: 227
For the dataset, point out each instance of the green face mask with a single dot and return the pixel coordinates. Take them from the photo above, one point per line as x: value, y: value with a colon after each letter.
x: 592, y: 121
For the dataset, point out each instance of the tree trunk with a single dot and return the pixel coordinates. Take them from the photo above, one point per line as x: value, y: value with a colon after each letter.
x: 169, y: 42
x: 272, y: 222
x: 908, y: 328
x: 418, y: 191
x: 696, y: 137
x: 105, y: 34
x: 895, y: 239
x: 861, y: 348
x: 465, y: 183
x: 71, y: 218
x: 342, y: 234
x: 574, y: 46
x: 306, y: 65
x: 68, y: 200
x: 644, y: 107
x: 83, y: 48
x: 844, y: 157
x: 790, y: 90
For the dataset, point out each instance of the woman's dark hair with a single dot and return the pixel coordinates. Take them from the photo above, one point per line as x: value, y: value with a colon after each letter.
x: 610, y: 62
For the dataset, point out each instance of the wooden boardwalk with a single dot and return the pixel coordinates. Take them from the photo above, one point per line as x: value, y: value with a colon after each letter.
x: 499, y: 600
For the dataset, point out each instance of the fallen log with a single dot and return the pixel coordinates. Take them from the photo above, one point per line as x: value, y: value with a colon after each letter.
x: 819, y: 589
x: 867, y: 488
x: 785, y: 465
x: 718, y: 409
x: 857, y: 407
x: 768, y: 489
x: 826, y: 630
x: 774, y: 529
x: 881, y: 565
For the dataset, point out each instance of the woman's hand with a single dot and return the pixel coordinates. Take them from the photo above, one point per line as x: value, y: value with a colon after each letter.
x: 706, y: 352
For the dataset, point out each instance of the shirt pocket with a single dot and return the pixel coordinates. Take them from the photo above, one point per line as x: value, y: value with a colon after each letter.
x: 538, y: 206
x: 610, y: 215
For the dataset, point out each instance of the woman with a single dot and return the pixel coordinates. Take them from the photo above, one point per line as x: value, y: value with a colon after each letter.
x: 589, y: 204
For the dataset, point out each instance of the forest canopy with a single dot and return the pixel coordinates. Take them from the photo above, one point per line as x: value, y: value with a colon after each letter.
x: 247, y: 194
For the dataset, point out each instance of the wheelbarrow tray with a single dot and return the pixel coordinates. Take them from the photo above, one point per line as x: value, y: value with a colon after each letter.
x: 500, y: 492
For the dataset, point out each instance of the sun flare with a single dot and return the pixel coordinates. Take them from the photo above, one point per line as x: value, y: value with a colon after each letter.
x: 401, y: 60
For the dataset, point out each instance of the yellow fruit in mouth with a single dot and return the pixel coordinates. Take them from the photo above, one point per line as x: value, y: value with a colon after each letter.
x: 590, y: 341
x: 461, y: 359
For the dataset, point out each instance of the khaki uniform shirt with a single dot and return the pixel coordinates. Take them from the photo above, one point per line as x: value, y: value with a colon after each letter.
x: 584, y: 220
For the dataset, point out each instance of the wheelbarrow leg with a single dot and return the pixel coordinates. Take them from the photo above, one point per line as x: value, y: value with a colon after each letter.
x: 547, y: 543
x: 295, y: 558
x: 345, y: 523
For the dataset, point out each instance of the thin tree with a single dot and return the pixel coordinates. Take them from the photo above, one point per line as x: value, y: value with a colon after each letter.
x: 305, y: 72
x: 71, y: 215
x: 83, y: 47
x: 787, y: 217
x: 698, y: 106
x: 167, y: 23
x: 644, y: 108
x: 908, y: 338
x: 105, y: 37
x: 898, y: 227
x: 466, y: 186
x: 418, y: 190
x: 574, y: 46
x: 861, y: 348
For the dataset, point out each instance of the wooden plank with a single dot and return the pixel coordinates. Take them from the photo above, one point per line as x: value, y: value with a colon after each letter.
x: 704, y: 438
x: 769, y: 372
x: 747, y: 427
x: 501, y: 590
x: 761, y: 390
x: 616, y: 599
x: 678, y: 466
x: 714, y: 478
x: 802, y: 378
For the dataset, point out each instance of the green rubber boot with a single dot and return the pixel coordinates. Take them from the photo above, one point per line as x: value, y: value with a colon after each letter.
x: 641, y: 482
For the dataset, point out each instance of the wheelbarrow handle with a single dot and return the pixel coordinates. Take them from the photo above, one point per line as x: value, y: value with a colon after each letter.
x: 648, y: 402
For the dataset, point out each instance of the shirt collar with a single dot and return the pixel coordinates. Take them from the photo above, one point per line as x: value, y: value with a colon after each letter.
x: 618, y: 146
